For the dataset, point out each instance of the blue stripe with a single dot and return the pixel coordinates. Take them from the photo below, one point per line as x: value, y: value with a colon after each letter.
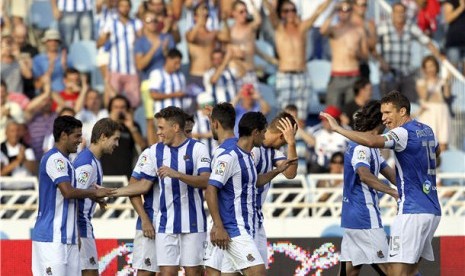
x: 215, y: 100
x: 73, y: 236
x: 74, y: 5
x: 148, y: 202
x: 176, y: 192
x: 204, y: 216
x: 215, y: 183
x: 245, y: 183
x: 163, y: 88
x: 126, y: 47
x: 115, y: 30
x: 172, y: 90
x: 64, y: 218
x: 190, y: 190
x: 163, y: 213
x: 375, y: 193
x: 254, y: 203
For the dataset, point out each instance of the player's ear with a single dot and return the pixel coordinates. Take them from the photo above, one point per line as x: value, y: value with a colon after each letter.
x: 403, y: 111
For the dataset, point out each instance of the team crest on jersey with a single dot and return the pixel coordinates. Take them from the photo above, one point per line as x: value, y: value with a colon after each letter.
x: 48, y: 270
x: 148, y: 262
x: 92, y: 261
x: 143, y: 160
x: 250, y: 258
x: 220, y: 168
x: 380, y: 254
x: 83, y: 177
x: 60, y: 165
x: 426, y: 187
x: 362, y: 155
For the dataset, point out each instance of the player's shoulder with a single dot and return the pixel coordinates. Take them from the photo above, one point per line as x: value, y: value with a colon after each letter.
x: 85, y: 157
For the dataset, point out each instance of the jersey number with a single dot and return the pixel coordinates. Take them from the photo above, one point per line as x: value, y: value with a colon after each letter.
x: 429, y: 147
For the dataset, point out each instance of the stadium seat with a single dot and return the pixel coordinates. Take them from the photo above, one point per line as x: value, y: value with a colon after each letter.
x: 267, y: 49
x: 41, y: 16
x: 320, y: 72
x: 452, y: 161
x: 96, y: 80
x: 82, y: 54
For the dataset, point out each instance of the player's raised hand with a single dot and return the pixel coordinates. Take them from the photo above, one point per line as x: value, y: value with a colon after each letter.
x: 332, y: 122
x: 288, y: 130
x: 165, y: 171
x: 219, y: 237
x: 147, y: 229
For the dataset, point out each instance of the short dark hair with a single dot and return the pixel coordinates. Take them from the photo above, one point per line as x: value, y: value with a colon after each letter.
x: 360, y: 84
x: 65, y: 124
x: 119, y: 97
x: 291, y: 107
x: 225, y: 114
x: 398, y: 100
x: 218, y: 51
x: 174, y: 53
x: 368, y: 117
x: 71, y: 70
x: 189, y: 118
x: 129, y: 1
x: 279, y: 8
x: 66, y: 109
x: 430, y: 58
x: 4, y: 84
x: 336, y: 155
x: 105, y: 126
x: 273, y: 126
x: 172, y: 114
x: 251, y: 121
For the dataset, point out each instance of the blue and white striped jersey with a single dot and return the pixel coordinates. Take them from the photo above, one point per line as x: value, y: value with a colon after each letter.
x: 122, y: 40
x: 360, y: 204
x: 265, y: 160
x: 56, y: 219
x: 202, y: 126
x: 165, y: 83
x: 234, y: 174
x: 224, y: 90
x: 415, y: 147
x: 74, y: 5
x: 152, y: 197
x: 105, y: 15
x: 88, y: 172
x: 227, y: 144
x: 181, y: 206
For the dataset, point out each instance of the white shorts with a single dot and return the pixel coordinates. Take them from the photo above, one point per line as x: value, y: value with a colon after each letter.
x: 214, y: 258
x: 243, y: 252
x: 411, y: 236
x: 88, y: 254
x: 144, y: 253
x: 180, y: 249
x: 53, y: 258
x: 103, y: 57
x: 262, y: 245
x: 364, y: 246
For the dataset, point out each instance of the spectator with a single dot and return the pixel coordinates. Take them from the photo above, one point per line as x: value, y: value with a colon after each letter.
x: 119, y: 110
x: 201, y: 43
x: 166, y: 20
x: 243, y: 34
x: 122, y: 31
x: 213, y: 22
x: 428, y: 11
x: 27, y: 53
x: 168, y: 85
x: 363, y: 93
x: 292, y: 82
x: 18, y: 159
x: 395, y: 38
x: 248, y: 99
x: 75, y: 85
x: 73, y: 16
x: 51, y: 64
x: 454, y: 15
x: 14, y: 66
x: 336, y: 166
x: 19, y: 98
x: 348, y: 47
x: 89, y: 110
x: 202, y: 127
x: 220, y: 80
x: 106, y: 10
x: 433, y: 93
x: 9, y: 111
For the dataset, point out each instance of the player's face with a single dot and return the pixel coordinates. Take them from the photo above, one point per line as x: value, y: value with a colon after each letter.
x: 392, y: 117
x: 73, y: 140
x: 273, y: 140
x: 259, y: 137
x: 111, y: 143
x: 166, y: 131
x: 214, y: 129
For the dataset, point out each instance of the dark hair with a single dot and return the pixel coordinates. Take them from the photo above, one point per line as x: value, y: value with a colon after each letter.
x: 368, y: 117
x: 237, y: 3
x: 119, y: 97
x: 4, y: 84
x: 291, y: 107
x: 65, y: 124
x: 198, y: 6
x: 279, y: 8
x: 360, y: 84
x: 225, y: 114
x: 65, y: 109
x: 174, y: 53
x: 430, y: 58
x: 129, y: 1
x: 273, y: 126
x: 106, y: 127
x: 218, y: 51
x: 398, y: 100
x: 336, y: 155
x: 189, y: 118
x: 251, y: 121
x: 399, y: 4
x: 172, y: 114
x: 71, y: 71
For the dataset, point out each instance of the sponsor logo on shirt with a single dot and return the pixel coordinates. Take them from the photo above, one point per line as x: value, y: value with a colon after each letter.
x: 83, y: 177
x: 48, y: 270
x: 220, y: 168
x: 60, y: 165
x: 426, y: 187
x: 142, y: 161
x: 380, y: 254
x: 250, y: 258
x: 205, y: 159
x: 92, y: 261
x: 148, y: 262
x: 362, y: 155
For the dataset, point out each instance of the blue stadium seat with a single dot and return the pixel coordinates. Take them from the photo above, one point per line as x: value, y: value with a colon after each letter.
x: 267, y: 49
x: 40, y: 14
x: 82, y: 54
x: 452, y: 161
x: 319, y: 72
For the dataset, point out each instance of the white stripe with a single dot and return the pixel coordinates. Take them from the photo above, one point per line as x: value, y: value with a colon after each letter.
x: 402, y: 188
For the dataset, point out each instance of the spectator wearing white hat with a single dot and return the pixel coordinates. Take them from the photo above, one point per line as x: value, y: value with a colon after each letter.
x: 202, y: 128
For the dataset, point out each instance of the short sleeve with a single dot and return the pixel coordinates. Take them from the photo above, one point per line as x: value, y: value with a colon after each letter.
x: 382, y: 163
x: 58, y: 170
x: 361, y: 157
x: 155, y: 80
x: 84, y: 176
x: 36, y: 67
x: 29, y: 153
x: 107, y: 26
x: 202, y: 158
x: 396, y: 139
x: 146, y: 166
x: 278, y: 156
x: 222, y: 170
x: 139, y: 46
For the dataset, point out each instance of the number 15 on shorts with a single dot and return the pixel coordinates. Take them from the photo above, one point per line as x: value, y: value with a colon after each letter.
x: 394, y: 245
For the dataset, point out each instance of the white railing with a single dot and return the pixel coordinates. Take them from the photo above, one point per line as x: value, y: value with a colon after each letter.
x: 297, y: 198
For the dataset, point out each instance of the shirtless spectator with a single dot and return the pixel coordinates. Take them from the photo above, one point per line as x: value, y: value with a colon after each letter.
x: 292, y: 82
x: 359, y: 19
x: 243, y: 34
x: 348, y: 46
x: 166, y: 19
x: 201, y: 43
x: 220, y: 80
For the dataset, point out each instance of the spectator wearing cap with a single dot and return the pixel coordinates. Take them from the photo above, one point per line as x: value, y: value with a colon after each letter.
x: 202, y: 128
x: 50, y: 64
x: 220, y: 80
x: 248, y: 99
x: 327, y: 142
x: 122, y: 31
x: 73, y: 16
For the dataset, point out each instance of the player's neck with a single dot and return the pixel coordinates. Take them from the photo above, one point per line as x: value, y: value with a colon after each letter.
x: 62, y: 148
x: 96, y: 150
x: 225, y: 135
x: 178, y: 140
x: 245, y: 143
